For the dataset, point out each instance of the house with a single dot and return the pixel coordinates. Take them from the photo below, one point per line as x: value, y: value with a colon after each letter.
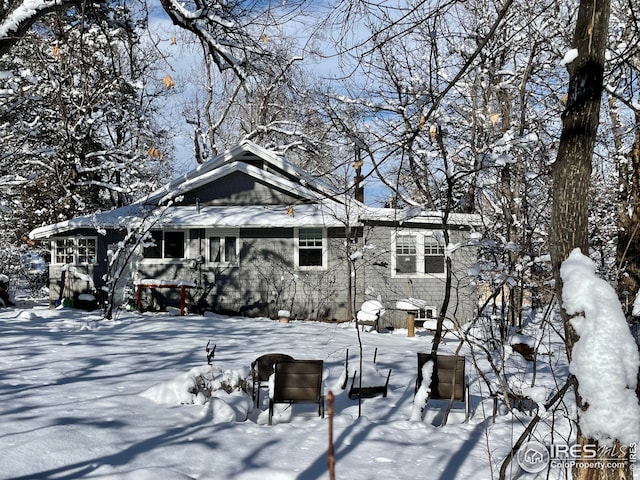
x: 253, y: 234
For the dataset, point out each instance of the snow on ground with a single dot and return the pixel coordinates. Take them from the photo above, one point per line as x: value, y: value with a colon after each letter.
x: 86, y: 398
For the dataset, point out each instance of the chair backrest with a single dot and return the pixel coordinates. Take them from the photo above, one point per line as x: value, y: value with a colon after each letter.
x: 262, y: 367
x: 298, y: 381
x: 448, y: 376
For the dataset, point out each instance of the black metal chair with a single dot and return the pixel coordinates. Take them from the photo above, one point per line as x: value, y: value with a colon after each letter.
x: 261, y: 370
x: 379, y: 388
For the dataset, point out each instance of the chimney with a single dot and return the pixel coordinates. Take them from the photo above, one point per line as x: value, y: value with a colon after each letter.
x: 359, y: 188
x: 358, y: 180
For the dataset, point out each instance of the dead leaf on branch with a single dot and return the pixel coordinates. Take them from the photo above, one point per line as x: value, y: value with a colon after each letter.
x: 168, y: 82
x: 433, y: 131
x: 154, y: 152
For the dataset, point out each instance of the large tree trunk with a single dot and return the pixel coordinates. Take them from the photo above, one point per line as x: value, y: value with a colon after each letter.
x: 572, y: 170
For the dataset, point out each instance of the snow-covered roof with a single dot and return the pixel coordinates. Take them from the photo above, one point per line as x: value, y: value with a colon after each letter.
x: 327, y: 214
x: 233, y: 159
x: 416, y: 215
x: 117, y: 218
x: 319, y: 204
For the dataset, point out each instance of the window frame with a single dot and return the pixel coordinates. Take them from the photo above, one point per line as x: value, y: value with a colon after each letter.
x: 73, y: 247
x: 224, y: 235
x: 323, y: 248
x: 409, y: 249
x: 422, y: 238
x: 162, y: 247
x: 431, y: 241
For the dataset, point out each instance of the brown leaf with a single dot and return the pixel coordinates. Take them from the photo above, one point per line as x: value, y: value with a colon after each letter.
x: 168, y: 82
x: 154, y: 152
x: 433, y: 131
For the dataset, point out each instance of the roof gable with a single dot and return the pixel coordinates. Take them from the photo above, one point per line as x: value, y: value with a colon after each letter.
x: 246, y: 178
x: 263, y: 166
x: 189, y: 190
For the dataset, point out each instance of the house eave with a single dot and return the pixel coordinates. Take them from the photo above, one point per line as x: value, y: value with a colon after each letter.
x: 327, y: 214
x: 416, y: 216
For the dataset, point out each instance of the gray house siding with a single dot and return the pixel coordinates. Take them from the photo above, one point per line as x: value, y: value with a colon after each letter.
x: 265, y: 280
x: 71, y: 286
x: 377, y: 277
x: 237, y: 188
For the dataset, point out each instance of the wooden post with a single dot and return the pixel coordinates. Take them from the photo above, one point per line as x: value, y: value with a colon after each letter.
x: 183, y: 299
x: 411, y: 321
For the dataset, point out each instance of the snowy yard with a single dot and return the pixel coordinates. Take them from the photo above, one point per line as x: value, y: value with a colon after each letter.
x: 86, y: 398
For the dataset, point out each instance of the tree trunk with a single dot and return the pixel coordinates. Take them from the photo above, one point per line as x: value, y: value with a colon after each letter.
x: 628, y: 246
x: 572, y: 170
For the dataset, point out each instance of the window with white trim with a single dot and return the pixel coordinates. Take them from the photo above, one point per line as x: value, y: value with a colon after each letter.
x: 311, y: 251
x: 224, y: 247
x: 75, y: 251
x: 417, y: 254
x: 426, y: 313
x: 433, y: 255
x: 165, y: 244
x: 406, y: 254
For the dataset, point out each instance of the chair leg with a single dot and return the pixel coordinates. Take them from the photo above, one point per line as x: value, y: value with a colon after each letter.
x: 270, y: 412
x: 253, y: 393
x: 467, y: 398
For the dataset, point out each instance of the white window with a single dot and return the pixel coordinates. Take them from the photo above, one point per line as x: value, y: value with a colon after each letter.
x: 426, y: 313
x: 311, y: 248
x: 417, y: 254
x: 165, y: 244
x: 224, y: 247
x: 406, y: 254
x: 75, y: 250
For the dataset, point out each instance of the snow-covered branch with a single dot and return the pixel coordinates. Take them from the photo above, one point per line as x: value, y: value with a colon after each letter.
x: 20, y: 15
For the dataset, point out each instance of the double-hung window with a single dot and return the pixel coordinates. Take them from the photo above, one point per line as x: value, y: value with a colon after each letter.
x: 311, y: 251
x: 417, y: 254
x: 224, y: 248
x: 406, y: 254
x: 75, y: 250
x: 433, y: 255
x: 165, y: 244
